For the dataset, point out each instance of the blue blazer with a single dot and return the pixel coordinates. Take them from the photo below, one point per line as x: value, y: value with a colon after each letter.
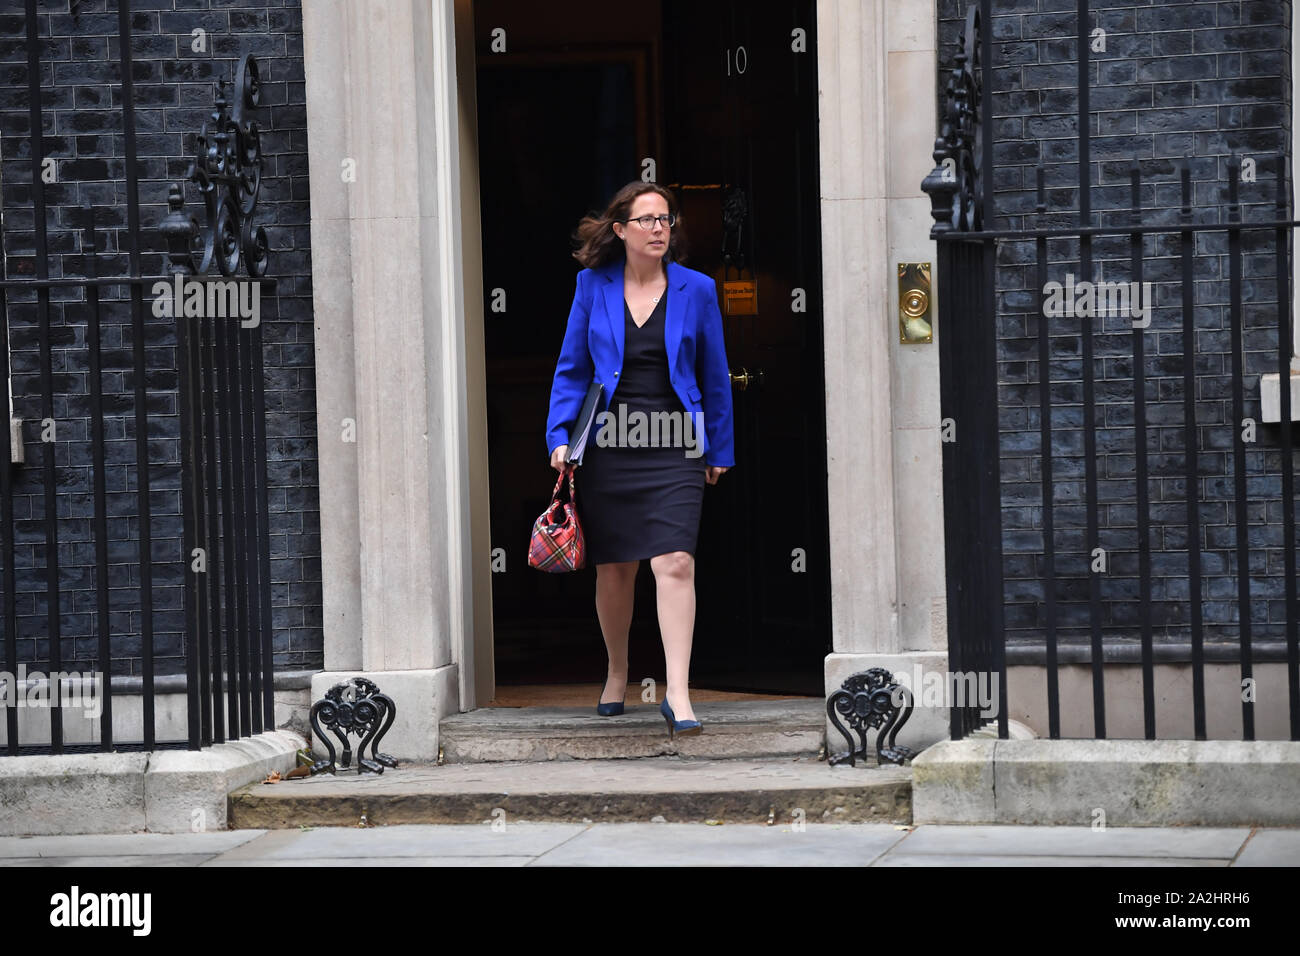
x: 697, y: 357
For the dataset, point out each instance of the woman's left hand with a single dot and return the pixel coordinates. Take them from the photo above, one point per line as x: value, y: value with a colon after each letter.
x: 713, y: 473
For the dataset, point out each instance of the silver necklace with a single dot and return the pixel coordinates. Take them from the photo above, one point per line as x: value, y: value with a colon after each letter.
x: 655, y: 300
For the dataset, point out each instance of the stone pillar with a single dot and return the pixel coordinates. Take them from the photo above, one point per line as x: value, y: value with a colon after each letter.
x: 324, y: 44
x: 388, y: 290
x: 877, y: 74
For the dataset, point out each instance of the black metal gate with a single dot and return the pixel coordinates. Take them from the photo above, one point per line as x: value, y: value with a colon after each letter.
x: 970, y: 253
x: 190, y: 380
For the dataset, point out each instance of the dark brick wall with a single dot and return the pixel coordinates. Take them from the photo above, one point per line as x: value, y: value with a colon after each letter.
x: 1176, y: 79
x: 82, y: 126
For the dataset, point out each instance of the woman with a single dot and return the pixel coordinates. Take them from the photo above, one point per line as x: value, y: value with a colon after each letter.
x: 650, y: 331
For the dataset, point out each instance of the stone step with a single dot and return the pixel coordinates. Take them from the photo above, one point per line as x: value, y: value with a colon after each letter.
x: 673, y: 789
x: 751, y: 728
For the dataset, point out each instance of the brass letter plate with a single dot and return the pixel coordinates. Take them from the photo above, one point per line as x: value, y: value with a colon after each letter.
x: 740, y: 296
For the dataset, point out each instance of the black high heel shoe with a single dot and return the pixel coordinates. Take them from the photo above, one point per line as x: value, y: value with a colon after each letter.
x: 682, y: 728
x: 612, y: 709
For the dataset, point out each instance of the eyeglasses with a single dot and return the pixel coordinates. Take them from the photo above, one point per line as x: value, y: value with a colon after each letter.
x: 668, y: 220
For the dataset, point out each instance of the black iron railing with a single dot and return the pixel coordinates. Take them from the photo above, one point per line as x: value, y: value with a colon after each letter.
x: 224, y: 562
x: 969, y: 250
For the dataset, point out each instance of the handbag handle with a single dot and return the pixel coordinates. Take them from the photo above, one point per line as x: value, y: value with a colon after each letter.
x: 569, y: 469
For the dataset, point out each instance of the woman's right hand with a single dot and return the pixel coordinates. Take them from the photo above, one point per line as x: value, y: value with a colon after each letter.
x: 558, y: 456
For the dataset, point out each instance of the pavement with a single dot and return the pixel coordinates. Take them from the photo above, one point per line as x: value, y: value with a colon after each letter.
x: 503, y: 842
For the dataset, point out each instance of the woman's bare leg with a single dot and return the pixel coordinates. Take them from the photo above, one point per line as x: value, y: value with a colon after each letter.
x: 675, y: 596
x: 615, y: 591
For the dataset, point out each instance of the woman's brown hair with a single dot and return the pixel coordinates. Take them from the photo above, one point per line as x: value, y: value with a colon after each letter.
x: 598, y: 244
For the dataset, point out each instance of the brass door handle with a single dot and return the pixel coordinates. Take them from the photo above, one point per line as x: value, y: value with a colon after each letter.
x: 914, y: 305
x: 745, y: 378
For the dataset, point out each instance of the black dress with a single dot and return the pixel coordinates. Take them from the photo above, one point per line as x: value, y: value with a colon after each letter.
x: 636, y: 500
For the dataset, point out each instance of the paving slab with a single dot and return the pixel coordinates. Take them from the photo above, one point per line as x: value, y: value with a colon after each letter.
x: 385, y: 861
x: 677, y: 789
x: 133, y: 844
x: 922, y: 859
x: 668, y: 844
x: 177, y: 859
x: 1115, y: 842
x: 481, y: 839
x: 1271, y: 847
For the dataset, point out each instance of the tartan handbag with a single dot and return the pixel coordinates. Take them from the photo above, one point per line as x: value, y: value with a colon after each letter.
x: 556, y: 543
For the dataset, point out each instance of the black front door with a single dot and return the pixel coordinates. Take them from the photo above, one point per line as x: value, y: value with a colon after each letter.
x: 719, y: 104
